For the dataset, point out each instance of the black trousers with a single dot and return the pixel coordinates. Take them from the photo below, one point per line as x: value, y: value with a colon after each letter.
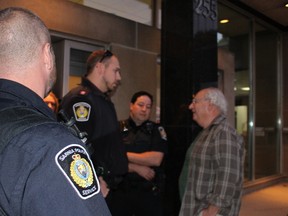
x: 135, y: 202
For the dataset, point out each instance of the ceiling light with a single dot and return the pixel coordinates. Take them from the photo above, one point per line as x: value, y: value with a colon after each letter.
x: 224, y: 21
x: 286, y: 5
x: 245, y: 89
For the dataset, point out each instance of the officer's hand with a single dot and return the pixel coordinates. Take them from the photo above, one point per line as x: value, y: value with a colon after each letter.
x: 146, y: 172
x: 103, y: 186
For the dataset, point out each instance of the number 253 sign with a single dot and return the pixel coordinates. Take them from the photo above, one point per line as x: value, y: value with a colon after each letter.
x: 207, y: 8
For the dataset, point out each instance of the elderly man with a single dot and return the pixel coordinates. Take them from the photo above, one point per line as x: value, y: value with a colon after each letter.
x: 212, y: 172
x: 45, y: 169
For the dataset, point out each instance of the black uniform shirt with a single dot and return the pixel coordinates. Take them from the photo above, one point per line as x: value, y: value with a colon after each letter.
x: 39, y: 167
x: 95, y: 113
x: 149, y: 136
x: 146, y: 137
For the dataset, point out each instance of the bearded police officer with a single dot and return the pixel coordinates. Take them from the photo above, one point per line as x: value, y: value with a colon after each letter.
x: 94, y: 112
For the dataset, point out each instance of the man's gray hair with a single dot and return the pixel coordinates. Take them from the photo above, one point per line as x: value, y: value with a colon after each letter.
x: 22, y: 34
x: 217, y: 98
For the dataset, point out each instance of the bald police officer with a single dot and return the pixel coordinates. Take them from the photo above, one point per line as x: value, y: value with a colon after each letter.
x: 45, y: 170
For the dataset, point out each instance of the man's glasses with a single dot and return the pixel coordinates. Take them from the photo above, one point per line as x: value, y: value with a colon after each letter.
x: 197, y: 100
x: 106, y: 54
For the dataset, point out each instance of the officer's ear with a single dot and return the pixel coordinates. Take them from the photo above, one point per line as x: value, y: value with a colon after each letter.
x: 49, y: 57
x: 100, y: 68
x: 131, y: 106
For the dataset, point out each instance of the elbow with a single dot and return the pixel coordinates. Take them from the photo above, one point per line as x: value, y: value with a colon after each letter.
x: 158, y: 160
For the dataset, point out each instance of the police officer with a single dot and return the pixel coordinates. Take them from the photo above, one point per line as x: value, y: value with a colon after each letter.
x: 45, y: 169
x: 94, y: 112
x: 145, y: 142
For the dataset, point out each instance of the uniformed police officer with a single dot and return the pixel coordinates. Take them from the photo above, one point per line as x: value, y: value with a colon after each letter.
x: 94, y: 112
x: 145, y: 142
x: 45, y: 169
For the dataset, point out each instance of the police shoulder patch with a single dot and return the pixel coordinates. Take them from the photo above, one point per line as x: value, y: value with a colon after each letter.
x: 81, y: 111
x: 75, y: 164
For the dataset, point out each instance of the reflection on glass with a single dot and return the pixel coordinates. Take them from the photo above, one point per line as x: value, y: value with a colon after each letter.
x: 233, y: 37
x: 266, y: 142
x: 256, y: 101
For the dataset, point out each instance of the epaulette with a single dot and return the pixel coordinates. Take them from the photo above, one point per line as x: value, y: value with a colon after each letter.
x: 83, y: 91
x: 162, y: 132
x: 123, y: 126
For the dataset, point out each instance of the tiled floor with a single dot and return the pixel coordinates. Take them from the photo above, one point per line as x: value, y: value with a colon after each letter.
x: 271, y: 201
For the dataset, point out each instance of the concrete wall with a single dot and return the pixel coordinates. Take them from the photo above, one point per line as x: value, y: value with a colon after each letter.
x: 136, y: 45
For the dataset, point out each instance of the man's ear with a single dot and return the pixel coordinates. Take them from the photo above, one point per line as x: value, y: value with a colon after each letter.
x: 48, y: 57
x: 100, y: 67
x: 211, y: 107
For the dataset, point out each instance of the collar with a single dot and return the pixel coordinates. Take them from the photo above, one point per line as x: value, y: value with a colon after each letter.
x: 220, y: 118
x: 20, y: 95
x: 87, y: 83
x: 133, y: 125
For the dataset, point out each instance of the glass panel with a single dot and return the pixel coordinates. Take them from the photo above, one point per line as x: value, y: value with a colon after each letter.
x: 233, y: 38
x: 266, y: 140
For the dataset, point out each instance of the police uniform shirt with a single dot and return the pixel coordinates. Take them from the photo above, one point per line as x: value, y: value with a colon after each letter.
x: 95, y: 114
x: 149, y: 136
x: 45, y: 170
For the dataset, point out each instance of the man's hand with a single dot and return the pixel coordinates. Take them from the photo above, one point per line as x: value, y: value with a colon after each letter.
x: 210, y: 211
x: 104, y: 187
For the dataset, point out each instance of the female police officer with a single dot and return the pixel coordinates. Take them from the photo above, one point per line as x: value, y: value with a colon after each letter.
x: 145, y: 142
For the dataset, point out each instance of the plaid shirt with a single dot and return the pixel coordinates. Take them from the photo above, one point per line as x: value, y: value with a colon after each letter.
x: 215, y: 171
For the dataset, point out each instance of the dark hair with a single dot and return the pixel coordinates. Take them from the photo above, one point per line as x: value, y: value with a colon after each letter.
x: 97, y: 56
x: 139, y: 94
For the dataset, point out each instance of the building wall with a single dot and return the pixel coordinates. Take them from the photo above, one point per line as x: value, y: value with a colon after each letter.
x: 136, y: 45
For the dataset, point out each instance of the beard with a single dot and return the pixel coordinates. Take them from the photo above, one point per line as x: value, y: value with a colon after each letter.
x: 112, y: 88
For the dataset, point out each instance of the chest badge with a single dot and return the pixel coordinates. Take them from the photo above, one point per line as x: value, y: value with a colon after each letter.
x: 81, y: 111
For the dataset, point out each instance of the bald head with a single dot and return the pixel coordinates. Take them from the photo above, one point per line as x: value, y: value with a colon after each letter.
x: 22, y: 36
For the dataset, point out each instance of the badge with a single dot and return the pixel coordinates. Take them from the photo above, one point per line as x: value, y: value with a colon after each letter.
x: 81, y: 111
x: 75, y: 164
x: 162, y: 133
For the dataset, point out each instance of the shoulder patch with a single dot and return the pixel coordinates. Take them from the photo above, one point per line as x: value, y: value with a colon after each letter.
x: 162, y: 133
x: 75, y: 164
x: 81, y: 111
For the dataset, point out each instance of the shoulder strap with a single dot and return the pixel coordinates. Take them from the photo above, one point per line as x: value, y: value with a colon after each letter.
x: 15, y: 120
x: 124, y: 126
